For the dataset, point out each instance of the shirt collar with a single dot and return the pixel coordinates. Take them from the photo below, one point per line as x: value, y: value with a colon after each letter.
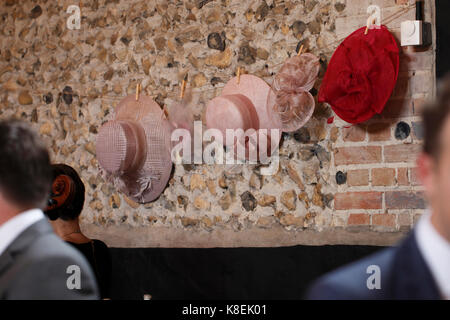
x: 435, y: 251
x: 12, y: 228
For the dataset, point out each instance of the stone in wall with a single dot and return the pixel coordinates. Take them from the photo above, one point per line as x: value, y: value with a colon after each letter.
x: 66, y: 83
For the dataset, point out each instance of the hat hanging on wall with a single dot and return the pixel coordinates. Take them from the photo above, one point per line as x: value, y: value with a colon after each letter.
x: 134, y: 148
x: 242, y: 105
x: 181, y: 117
x: 290, y: 105
x: 180, y: 112
x: 361, y: 74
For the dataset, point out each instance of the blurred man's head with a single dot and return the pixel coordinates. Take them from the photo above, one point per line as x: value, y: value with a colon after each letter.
x: 25, y: 171
x: 434, y: 161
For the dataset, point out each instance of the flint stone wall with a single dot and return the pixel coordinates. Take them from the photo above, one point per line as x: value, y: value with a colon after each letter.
x: 336, y: 184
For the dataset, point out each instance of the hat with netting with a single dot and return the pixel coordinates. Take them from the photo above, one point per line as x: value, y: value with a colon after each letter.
x: 290, y: 105
x: 133, y: 149
x: 361, y: 74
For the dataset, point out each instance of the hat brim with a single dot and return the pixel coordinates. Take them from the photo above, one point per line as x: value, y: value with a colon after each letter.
x: 257, y: 91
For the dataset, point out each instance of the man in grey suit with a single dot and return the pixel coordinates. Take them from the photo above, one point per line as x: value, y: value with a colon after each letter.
x: 34, y: 262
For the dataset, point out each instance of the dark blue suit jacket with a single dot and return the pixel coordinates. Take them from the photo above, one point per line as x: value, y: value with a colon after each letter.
x: 404, y: 275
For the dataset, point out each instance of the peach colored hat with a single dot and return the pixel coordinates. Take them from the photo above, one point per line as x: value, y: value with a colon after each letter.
x: 134, y: 149
x: 241, y: 105
x: 290, y: 104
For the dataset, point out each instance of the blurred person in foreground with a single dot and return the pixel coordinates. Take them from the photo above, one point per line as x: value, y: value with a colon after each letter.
x: 34, y: 262
x: 63, y: 210
x: 419, y: 267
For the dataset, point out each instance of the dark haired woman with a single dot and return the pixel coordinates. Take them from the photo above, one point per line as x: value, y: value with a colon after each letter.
x: 63, y: 209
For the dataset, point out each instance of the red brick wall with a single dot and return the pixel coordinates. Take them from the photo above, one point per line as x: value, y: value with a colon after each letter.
x: 382, y: 189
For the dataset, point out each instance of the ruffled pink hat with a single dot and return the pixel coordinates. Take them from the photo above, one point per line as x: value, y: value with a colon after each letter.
x: 290, y: 105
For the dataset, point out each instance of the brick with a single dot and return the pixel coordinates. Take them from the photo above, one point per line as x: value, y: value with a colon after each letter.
x: 358, y: 177
x: 358, y: 200
x: 422, y: 82
x: 360, y: 7
x: 410, y: 61
x: 397, y: 108
x: 357, y: 219
x: 402, y: 176
x: 402, y: 89
x: 414, y: 177
x: 417, y: 105
x: 379, y: 131
x: 383, y: 176
x: 404, y: 219
x: 357, y: 155
x: 416, y: 217
x: 384, y: 219
x: 417, y: 130
x: 401, y: 152
x: 405, y: 200
x: 354, y: 133
x: 338, y: 220
x: 395, y: 18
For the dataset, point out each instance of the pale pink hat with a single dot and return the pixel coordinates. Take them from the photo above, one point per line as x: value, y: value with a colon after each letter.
x: 134, y: 149
x: 241, y: 105
x: 290, y: 105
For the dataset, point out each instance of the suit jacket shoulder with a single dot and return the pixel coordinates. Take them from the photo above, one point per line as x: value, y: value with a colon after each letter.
x: 402, y: 272
x: 350, y: 282
x: 39, y: 265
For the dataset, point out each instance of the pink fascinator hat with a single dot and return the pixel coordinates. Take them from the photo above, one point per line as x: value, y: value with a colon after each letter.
x: 290, y: 105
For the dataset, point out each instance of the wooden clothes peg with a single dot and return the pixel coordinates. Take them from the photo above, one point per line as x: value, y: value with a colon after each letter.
x: 238, y: 74
x: 138, y: 91
x: 183, y: 86
x: 368, y: 26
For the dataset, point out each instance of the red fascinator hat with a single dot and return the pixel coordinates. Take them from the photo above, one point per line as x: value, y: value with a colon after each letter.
x: 361, y: 74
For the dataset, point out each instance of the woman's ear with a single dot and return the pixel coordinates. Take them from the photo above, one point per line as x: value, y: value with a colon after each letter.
x: 426, y: 170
